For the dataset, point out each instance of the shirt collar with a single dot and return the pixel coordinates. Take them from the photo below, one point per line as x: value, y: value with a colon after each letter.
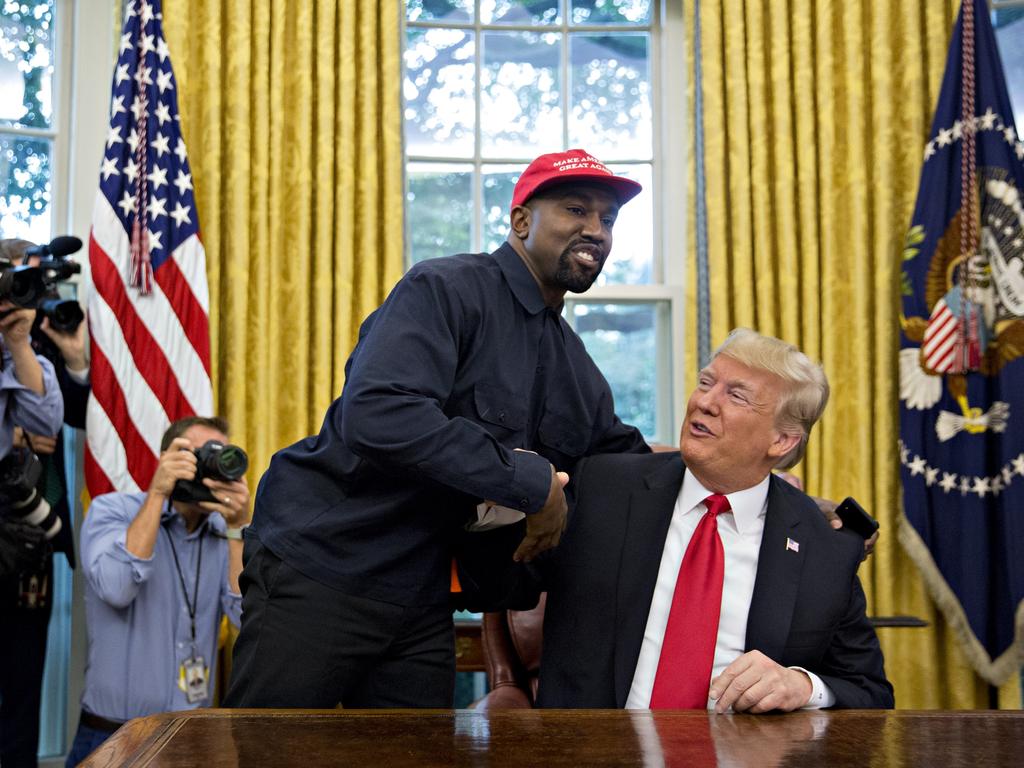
x: 213, y: 522
x: 520, y: 280
x: 748, y: 505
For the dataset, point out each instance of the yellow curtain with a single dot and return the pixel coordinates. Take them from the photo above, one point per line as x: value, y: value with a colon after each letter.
x: 815, y: 119
x: 292, y: 116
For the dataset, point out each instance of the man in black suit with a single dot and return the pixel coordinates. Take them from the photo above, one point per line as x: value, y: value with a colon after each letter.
x: 792, y: 632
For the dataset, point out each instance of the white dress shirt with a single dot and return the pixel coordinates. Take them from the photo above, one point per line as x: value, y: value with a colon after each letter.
x: 740, y: 531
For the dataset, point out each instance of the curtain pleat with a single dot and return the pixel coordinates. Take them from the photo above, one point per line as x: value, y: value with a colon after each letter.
x: 815, y: 118
x: 291, y: 112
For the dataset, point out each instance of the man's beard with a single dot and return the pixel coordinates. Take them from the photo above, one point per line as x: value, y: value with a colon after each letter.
x: 568, y: 277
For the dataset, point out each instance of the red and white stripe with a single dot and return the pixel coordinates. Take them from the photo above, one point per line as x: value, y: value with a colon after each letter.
x: 150, y: 354
x: 941, y: 339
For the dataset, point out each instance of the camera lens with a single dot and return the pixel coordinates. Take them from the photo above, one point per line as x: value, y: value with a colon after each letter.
x: 36, y: 511
x: 22, y: 285
x: 65, y: 314
x: 232, y: 462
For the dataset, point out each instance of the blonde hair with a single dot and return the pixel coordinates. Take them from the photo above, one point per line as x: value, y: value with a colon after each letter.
x: 805, y: 391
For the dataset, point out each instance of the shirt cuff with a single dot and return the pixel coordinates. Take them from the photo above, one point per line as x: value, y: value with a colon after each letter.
x: 141, y: 567
x: 491, y: 516
x: 79, y: 377
x: 821, y: 695
x: 532, y: 480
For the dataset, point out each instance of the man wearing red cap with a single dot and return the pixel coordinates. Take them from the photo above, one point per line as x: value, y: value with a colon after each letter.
x: 465, y: 385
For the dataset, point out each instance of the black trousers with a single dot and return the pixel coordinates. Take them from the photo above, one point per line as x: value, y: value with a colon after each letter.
x: 23, y: 633
x: 303, y: 644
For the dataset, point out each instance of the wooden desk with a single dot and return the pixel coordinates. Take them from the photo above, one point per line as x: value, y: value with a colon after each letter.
x: 578, y: 738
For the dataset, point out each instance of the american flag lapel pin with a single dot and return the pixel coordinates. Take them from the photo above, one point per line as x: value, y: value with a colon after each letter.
x: 792, y: 546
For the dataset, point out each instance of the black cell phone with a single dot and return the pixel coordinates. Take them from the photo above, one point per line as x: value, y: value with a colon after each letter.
x: 855, y: 518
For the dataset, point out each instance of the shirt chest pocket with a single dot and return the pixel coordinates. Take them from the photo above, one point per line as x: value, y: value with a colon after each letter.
x: 499, y: 409
x: 567, y: 434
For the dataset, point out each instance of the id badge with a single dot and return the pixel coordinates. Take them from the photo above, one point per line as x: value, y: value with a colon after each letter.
x: 194, y: 679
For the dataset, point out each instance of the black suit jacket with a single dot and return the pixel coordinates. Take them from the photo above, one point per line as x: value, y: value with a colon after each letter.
x: 807, y: 609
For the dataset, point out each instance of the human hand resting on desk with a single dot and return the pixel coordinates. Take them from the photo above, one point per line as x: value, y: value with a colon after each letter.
x: 755, y: 683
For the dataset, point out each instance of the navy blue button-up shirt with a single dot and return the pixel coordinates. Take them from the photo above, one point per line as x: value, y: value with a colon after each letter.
x: 461, y: 365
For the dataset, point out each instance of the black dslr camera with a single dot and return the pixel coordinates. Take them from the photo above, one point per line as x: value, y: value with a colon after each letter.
x: 19, y: 495
x: 215, y: 460
x: 31, y: 287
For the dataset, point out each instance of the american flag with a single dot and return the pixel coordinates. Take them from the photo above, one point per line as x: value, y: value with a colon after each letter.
x: 148, y: 311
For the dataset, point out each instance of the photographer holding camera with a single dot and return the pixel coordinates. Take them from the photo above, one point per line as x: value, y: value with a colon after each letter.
x: 30, y: 399
x: 161, y: 568
x: 58, y: 334
x: 28, y: 277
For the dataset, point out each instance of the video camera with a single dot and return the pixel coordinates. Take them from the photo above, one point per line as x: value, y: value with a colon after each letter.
x: 216, y: 460
x: 19, y: 496
x: 31, y: 287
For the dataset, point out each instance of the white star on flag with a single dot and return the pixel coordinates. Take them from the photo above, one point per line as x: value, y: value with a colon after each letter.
x: 160, y: 145
x: 163, y: 81
x: 183, y: 182
x: 109, y: 168
x: 158, y: 177
x: 180, y: 214
x: 163, y: 113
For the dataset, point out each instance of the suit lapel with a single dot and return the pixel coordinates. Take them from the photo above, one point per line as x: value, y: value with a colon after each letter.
x: 649, y: 516
x: 778, y: 577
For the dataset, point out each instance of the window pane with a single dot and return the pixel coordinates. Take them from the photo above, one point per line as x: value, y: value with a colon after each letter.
x: 611, y: 95
x: 520, y: 12
x: 26, y: 64
x: 632, y: 259
x: 521, y: 97
x: 611, y: 11
x: 1009, y: 24
x: 25, y: 187
x: 438, y: 93
x: 439, y: 10
x: 439, y: 206
x: 624, y: 341
x: 499, y: 181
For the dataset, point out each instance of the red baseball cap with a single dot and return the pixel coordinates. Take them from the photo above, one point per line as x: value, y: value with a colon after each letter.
x: 572, y: 165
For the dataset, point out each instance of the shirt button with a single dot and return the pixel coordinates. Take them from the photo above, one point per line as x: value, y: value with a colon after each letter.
x: 524, y: 502
x: 501, y: 416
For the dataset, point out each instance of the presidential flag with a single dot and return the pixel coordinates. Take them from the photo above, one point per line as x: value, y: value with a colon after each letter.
x: 148, y: 312
x: 961, y: 368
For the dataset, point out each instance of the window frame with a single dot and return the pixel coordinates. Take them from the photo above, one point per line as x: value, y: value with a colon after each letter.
x: 57, y: 133
x: 668, y: 87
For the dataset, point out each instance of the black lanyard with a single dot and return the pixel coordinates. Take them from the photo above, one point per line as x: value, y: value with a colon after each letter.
x: 194, y: 604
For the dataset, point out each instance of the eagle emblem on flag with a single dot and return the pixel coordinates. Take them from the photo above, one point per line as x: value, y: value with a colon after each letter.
x: 976, y: 323
x: 961, y: 372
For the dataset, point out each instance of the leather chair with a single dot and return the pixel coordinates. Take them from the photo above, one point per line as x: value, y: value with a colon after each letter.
x: 512, y: 645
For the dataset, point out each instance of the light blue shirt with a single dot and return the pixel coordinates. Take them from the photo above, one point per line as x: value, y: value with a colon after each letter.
x: 21, y: 407
x: 137, y: 617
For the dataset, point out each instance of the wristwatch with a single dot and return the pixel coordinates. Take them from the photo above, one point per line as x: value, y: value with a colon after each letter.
x: 235, y: 533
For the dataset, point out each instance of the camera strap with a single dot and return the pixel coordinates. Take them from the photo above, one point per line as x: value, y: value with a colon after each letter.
x: 193, y: 674
x: 192, y: 605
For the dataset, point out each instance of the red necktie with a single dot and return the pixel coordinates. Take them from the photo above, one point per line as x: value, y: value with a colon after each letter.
x: 688, y: 650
